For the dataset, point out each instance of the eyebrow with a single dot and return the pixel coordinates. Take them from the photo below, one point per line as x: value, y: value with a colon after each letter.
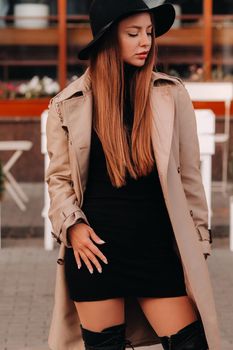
x: 138, y: 27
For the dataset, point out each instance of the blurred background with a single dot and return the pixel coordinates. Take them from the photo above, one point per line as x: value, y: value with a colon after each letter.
x: 39, y: 42
x: 199, y: 47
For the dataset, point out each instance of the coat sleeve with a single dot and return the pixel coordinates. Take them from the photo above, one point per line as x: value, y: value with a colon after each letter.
x: 190, y: 167
x: 64, y: 210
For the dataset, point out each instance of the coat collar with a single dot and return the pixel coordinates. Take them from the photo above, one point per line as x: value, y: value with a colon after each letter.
x: 75, y: 104
x: 82, y: 85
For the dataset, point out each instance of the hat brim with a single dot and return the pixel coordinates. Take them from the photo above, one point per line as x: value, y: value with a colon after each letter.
x: 164, y: 16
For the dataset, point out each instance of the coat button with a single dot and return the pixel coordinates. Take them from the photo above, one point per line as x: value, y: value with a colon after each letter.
x: 191, y: 212
x: 210, y: 235
x: 60, y: 261
x: 178, y: 169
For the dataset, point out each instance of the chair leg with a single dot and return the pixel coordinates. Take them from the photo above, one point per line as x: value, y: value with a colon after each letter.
x: 225, y: 165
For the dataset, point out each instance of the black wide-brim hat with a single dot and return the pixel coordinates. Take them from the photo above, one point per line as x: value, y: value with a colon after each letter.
x: 103, y: 13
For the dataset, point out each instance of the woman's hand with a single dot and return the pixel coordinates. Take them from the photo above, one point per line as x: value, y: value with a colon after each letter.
x: 80, y: 236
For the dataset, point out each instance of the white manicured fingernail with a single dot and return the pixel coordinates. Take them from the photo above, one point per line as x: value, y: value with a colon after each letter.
x: 101, y: 241
x: 79, y: 266
x: 100, y: 270
x: 91, y: 271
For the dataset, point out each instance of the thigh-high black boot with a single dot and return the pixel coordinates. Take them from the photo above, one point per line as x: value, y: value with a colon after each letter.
x: 191, y: 337
x: 110, y: 338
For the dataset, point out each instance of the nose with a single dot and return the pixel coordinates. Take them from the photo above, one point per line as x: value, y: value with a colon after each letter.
x: 145, y: 40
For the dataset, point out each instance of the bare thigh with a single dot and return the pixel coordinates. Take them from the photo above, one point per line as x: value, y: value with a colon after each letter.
x: 97, y: 315
x: 168, y: 315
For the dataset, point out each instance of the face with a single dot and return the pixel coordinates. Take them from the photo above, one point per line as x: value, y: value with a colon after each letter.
x: 135, y: 38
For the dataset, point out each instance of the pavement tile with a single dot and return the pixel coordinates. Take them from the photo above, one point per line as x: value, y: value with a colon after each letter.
x: 27, y: 318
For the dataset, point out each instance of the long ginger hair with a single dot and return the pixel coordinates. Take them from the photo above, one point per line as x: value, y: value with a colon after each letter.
x: 122, y: 153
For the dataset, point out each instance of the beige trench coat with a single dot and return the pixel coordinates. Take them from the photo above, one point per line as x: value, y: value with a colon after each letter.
x: 176, y: 149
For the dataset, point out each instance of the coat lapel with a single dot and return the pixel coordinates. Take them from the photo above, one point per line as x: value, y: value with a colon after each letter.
x: 79, y: 122
x: 77, y: 113
x: 163, y: 111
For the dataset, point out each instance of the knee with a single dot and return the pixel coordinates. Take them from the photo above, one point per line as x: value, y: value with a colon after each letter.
x: 110, y: 338
x: 190, y: 337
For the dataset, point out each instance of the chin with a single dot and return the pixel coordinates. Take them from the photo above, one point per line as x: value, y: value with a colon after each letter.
x: 137, y: 63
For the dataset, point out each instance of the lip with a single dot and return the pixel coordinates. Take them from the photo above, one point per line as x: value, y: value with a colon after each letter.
x: 145, y: 53
x: 142, y: 55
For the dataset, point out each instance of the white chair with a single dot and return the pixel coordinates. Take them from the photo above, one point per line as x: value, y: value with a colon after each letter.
x: 48, y: 239
x: 12, y: 186
x: 216, y: 92
x: 206, y: 131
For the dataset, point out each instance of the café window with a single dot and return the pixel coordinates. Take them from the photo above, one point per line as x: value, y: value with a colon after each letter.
x: 30, y: 47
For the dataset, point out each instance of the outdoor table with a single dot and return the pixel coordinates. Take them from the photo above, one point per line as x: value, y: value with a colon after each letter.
x: 11, y: 185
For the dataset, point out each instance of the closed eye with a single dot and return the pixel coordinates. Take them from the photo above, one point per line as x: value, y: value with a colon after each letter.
x: 134, y: 35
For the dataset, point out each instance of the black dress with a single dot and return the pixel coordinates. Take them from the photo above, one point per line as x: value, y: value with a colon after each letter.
x: 134, y: 222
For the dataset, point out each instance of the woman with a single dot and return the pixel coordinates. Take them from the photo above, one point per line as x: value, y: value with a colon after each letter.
x: 127, y: 200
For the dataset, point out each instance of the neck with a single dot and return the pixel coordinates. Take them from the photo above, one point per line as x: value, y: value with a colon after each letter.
x: 129, y: 69
x: 128, y: 113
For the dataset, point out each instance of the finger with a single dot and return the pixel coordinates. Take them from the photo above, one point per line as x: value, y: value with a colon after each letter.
x: 94, y: 260
x: 92, y: 247
x: 95, y: 237
x: 86, y: 260
x: 77, y: 258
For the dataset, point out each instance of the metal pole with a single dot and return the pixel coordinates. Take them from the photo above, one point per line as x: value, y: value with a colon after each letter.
x: 62, y: 42
x: 208, y: 38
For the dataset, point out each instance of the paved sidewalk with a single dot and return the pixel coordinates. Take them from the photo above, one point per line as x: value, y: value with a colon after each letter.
x: 27, y: 273
x: 27, y: 276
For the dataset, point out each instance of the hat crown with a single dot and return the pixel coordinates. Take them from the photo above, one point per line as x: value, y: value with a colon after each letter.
x: 104, y: 12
